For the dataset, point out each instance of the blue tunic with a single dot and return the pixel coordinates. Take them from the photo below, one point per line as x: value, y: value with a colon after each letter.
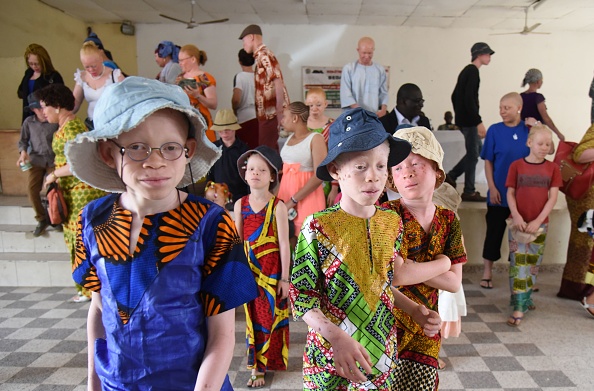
x: 156, y: 301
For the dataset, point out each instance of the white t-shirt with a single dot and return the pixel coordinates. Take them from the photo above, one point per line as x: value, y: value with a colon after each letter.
x: 247, y: 107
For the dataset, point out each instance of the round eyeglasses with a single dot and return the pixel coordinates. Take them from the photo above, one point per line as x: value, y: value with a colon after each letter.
x: 141, y: 151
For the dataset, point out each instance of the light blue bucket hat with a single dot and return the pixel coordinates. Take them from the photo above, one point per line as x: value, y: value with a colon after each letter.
x: 122, y: 107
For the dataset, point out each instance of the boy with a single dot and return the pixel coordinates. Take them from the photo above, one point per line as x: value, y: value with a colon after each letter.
x: 35, y: 147
x: 345, y: 261
x: 225, y: 169
x: 154, y: 257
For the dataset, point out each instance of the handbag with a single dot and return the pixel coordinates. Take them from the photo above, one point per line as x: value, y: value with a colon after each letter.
x: 577, y: 177
x: 57, y: 212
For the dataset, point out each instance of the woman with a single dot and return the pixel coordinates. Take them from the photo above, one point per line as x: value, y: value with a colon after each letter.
x: 203, y: 95
x: 303, y: 151
x: 91, y: 82
x: 166, y: 56
x: 57, y: 102
x: 533, y: 103
x: 580, y: 246
x: 40, y: 73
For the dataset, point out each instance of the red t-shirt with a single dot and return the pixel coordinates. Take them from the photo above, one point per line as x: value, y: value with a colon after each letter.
x: 532, y: 182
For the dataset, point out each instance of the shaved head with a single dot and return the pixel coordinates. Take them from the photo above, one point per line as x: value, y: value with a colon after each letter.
x: 514, y: 97
x: 365, y: 48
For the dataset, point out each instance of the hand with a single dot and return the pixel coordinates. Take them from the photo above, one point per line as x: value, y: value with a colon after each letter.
x: 23, y: 158
x: 290, y: 204
x: 380, y: 112
x: 282, y: 289
x: 429, y: 320
x: 519, y: 223
x: 482, y: 131
x: 532, y: 227
x: 49, y: 178
x: 194, y: 92
x: 561, y: 136
x: 347, y: 354
x: 530, y: 121
x: 494, y: 196
x: 332, y: 195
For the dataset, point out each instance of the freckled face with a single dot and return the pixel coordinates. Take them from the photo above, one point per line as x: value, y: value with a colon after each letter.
x: 415, y: 177
x: 317, y: 104
x: 257, y: 172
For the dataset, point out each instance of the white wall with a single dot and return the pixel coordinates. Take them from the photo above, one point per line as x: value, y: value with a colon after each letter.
x: 428, y: 57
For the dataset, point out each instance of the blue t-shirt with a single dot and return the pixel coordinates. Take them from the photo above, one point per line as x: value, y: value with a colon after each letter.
x: 503, y: 145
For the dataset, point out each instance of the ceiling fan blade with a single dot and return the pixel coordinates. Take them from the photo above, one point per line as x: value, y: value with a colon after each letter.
x: 171, y: 18
x: 517, y: 32
x: 529, y: 29
x: 215, y: 21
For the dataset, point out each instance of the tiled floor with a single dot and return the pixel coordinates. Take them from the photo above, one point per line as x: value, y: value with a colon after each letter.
x: 43, y: 348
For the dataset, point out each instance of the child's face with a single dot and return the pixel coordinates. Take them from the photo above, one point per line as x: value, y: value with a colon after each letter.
x: 415, y: 177
x: 93, y: 63
x: 155, y: 177
x: 362, y: 175
x: 39, y: 114
x: 317, y: 104
x: 257, y: 173
x: 540, y: 144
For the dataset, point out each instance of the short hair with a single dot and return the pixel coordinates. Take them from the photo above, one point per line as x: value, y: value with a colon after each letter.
x: 245, y: 58
x: 539, y: 128
x: 513, y: 96
x: 193, y: 51
x: 56, y: 95
x: 316, y: 90
x: 301, y: 109
x: 405, y: 91
x: 42, y: 56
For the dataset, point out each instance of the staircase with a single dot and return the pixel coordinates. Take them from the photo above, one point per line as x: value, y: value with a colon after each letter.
x: 24, y: 259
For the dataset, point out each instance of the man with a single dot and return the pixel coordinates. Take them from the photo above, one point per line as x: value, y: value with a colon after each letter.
x: 364, y: 83
x: 449, y: 125
x: 271, y: 94
x: 409, y: 103
x: 466, y: 107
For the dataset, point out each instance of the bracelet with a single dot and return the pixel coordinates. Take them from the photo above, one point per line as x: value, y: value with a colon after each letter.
x: 283, y: 280
x: 294, y: 200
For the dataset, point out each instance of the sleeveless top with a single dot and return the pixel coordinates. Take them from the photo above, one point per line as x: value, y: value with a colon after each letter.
x: 299, y: 153
x: 92, y: 95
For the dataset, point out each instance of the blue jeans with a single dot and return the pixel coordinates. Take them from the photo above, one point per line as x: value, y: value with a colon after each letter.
x: 467, y: 165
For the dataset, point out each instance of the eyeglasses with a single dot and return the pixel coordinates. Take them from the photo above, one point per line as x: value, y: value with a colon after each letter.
x: 417, y: 101
x: 141, y: 151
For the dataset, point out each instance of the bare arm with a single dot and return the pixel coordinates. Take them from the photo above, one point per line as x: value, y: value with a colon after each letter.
x: 236, y: 99
x: 58, y: 173
x: 318, y: 151
x: 449, y: 281
x: 519, y: 222
x: 218, y: 352
x: 347, y: 351
x: 280, y: 99
x: 533, y: 226
x: 282, y: 225
x: 78, y: 97
x: 237, y: 218
x: 427, y: 319
x: 542, y: 109
x: 586, y: 157
x: 495, y: 196
x: 410, y: 273
x: 95, y: 330
x: 209, y: 99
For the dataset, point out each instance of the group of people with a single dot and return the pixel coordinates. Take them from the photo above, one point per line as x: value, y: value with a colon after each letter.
x: 165, y: 268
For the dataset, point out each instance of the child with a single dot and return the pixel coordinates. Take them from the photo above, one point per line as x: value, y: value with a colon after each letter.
x: 225, y: 169
x: 431, y: 233
x: 345, y: 261
x: 318, y: 121
x: 166, y: 268
x: 35, y: 147
x: 532, y: 188
x: 262, y: 222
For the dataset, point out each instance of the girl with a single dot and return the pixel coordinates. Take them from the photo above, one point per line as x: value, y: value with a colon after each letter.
x: 303, y: 151
x: 431, y: 233
x: 532, y: 188
x: 318, y: 121
x: 262, y: 222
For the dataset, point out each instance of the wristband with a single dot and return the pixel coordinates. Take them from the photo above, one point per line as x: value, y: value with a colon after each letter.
x: 294, y: 200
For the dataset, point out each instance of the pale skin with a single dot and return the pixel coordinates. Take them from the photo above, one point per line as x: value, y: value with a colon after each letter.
x: 191, y: 68
x: 95, y: 75
x: 150, y: 189
x: 509, y: 110
x: 539, y: 144
x: 542, y: 110
x: 365, y: 49
x: 251, y: 43
x: 259, y: 175
x: 362, y: 176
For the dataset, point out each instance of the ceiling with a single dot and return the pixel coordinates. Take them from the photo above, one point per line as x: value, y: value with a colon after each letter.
x: 498, y: 15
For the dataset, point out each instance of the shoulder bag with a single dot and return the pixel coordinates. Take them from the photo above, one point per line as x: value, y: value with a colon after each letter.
x: 577, y: 177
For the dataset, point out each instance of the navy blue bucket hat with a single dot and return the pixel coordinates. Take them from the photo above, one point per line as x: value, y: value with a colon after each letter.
x: 358, y: 130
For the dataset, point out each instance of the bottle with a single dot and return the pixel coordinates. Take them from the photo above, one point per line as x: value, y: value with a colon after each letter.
x: 26, y: 165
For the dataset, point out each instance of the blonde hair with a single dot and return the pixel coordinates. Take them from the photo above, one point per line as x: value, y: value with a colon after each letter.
x: 42, y: 56
x: 89, y: 48
x: 316, y: 90
x: 540, y: 128
x: 512, y: 96
x: 193, y: 51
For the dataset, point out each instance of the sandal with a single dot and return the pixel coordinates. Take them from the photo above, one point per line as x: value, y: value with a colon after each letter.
x: 441, y: 364
x: 488, y: 284
x: 256, y: 379
x: 514, y: 321
x: 588, y: 307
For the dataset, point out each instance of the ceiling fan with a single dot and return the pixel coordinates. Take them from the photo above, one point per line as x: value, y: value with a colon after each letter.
x: 528, y: 30
x: 192, y: 23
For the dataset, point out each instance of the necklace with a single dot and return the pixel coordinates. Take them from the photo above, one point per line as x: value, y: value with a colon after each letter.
x: 100, y: 76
